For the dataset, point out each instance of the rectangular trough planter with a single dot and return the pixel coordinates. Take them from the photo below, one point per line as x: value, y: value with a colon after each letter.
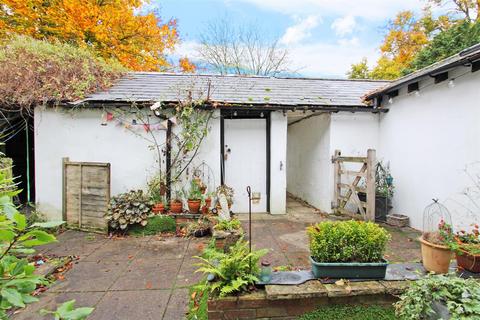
x: 349, y: 270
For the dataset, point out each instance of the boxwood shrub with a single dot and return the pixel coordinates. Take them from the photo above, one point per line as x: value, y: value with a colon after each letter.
x: 347, y: 241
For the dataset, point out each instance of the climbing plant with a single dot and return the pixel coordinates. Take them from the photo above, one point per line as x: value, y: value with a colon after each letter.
x: 190, y: 124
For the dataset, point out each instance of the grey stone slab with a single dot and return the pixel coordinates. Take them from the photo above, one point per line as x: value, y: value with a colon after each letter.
x: 121, y: 250
x: 76, y: 243
x: 144, y: 274
x: 131, y: 305
x: 178, y: 305
x: 166, y: 248
x: 187, y: 275
x: 51, y: 301
x: 90, y: 276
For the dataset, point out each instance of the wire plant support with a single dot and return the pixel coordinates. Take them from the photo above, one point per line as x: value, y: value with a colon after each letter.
x: 249, y: 191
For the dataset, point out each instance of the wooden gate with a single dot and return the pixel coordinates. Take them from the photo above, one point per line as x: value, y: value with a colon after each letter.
x: 349, y: 182
x: 86, y: 194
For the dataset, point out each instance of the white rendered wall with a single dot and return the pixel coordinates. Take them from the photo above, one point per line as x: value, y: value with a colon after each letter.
x: 308, y: 158
x: 278, y: 163
x: 80, y: 136
x: 429, y: 139
x: 311, y: 145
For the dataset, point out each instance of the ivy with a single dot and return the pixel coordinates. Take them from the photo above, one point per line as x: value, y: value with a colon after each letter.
x: 461, y: 296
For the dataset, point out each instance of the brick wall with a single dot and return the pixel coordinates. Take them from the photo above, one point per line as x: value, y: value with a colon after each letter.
x: 258, y: 306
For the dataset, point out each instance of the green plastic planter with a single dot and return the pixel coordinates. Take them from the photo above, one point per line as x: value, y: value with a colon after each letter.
x: 349, y: 270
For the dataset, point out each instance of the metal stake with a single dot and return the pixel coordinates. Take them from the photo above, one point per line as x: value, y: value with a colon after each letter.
x: 249, y: 191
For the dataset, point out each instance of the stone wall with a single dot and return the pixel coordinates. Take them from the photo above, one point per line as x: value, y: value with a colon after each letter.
x: 289, y: 302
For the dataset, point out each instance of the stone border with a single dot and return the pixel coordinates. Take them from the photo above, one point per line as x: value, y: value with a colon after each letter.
x: 289, y: 302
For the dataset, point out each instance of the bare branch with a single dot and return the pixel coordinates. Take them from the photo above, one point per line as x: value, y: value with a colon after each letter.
x: 242, y: 50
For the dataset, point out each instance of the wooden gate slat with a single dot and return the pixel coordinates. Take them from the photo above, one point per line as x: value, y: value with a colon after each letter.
x: 366, y: 172
x: 86, y: 192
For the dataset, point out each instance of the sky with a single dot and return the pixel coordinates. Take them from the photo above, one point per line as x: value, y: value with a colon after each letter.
x: 323, y: 37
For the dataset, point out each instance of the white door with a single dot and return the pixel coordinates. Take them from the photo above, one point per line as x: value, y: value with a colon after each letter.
x: 245, y: 162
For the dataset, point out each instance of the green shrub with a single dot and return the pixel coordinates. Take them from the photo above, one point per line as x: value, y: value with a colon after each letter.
x: 155, y: 225
x: 351, y: 313
x: 231, y: 270
x: 228, y: 225
x: 461, y: 296
x: 347, y: 241
x: 50, y: 72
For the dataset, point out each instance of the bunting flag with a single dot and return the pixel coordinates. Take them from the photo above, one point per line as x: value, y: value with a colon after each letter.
x: 134, y: 123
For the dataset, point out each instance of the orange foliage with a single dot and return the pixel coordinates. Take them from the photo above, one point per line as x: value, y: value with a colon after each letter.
x: 405, y: 37
x: 113, y: 28
x: 186, y: 66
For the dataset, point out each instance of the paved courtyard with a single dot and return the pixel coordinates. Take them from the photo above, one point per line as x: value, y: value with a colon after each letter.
x: 149, y: 277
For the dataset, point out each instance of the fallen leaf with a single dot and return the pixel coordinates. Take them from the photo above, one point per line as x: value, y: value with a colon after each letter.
x: 148, y: 285
x: 340, y: 282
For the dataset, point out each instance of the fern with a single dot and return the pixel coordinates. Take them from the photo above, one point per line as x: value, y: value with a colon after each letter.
x: 234, y: 271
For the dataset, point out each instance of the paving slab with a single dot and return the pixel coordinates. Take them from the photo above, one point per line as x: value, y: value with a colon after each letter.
x: 51, y: 301
x: 121, y: 250
x: 166, y: 248
x: 129, y: 305
x: 187, y: 275
x: 177, y: 307
x: 76, y: 243
x: 90, y: 276
x: 145, y: 273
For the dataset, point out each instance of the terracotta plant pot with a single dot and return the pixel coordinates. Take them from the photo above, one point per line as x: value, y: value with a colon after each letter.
x: 468, y: 261
x: 159, y: 208
x: 436, y: 258
x: 194, y: 206
x: 206, y: 207
x: 176, y: 206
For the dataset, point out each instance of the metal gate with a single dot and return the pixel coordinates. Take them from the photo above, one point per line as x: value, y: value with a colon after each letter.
x: 350, y: 182
x: 86, y: 194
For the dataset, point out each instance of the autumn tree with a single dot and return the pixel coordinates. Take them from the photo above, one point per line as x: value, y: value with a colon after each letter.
x: 359, y: 70
x: 468, y: 10
x: 229, y: 48
x: 112, y: 28
x: 408, y: 35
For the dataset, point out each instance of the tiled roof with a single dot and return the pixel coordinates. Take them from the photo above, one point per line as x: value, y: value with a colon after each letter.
x: 251, y: 90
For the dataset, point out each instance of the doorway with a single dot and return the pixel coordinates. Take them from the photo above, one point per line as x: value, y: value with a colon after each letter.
x: 245, y: 159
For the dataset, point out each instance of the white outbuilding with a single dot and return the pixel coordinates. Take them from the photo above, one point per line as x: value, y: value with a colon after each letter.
x: 277, y: 135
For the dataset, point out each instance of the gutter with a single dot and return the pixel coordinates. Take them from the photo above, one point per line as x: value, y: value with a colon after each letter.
x: 235, y: 106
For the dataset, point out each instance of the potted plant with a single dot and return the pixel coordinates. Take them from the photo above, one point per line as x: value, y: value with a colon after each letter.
x: 467, y: 249
x: 437, y: 239
x: 176, y: 204
x: 226, y: 233
x: 348, y: 249
x: 207, y: 202
x: 194, y: 197
x: 436, y: 248
x: 156, y: 191
x: 199, y: 228
x: 384, y: 190
x: 440, y: 297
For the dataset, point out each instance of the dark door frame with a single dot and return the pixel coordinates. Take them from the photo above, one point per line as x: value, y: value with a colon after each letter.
x: 233, y: 114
